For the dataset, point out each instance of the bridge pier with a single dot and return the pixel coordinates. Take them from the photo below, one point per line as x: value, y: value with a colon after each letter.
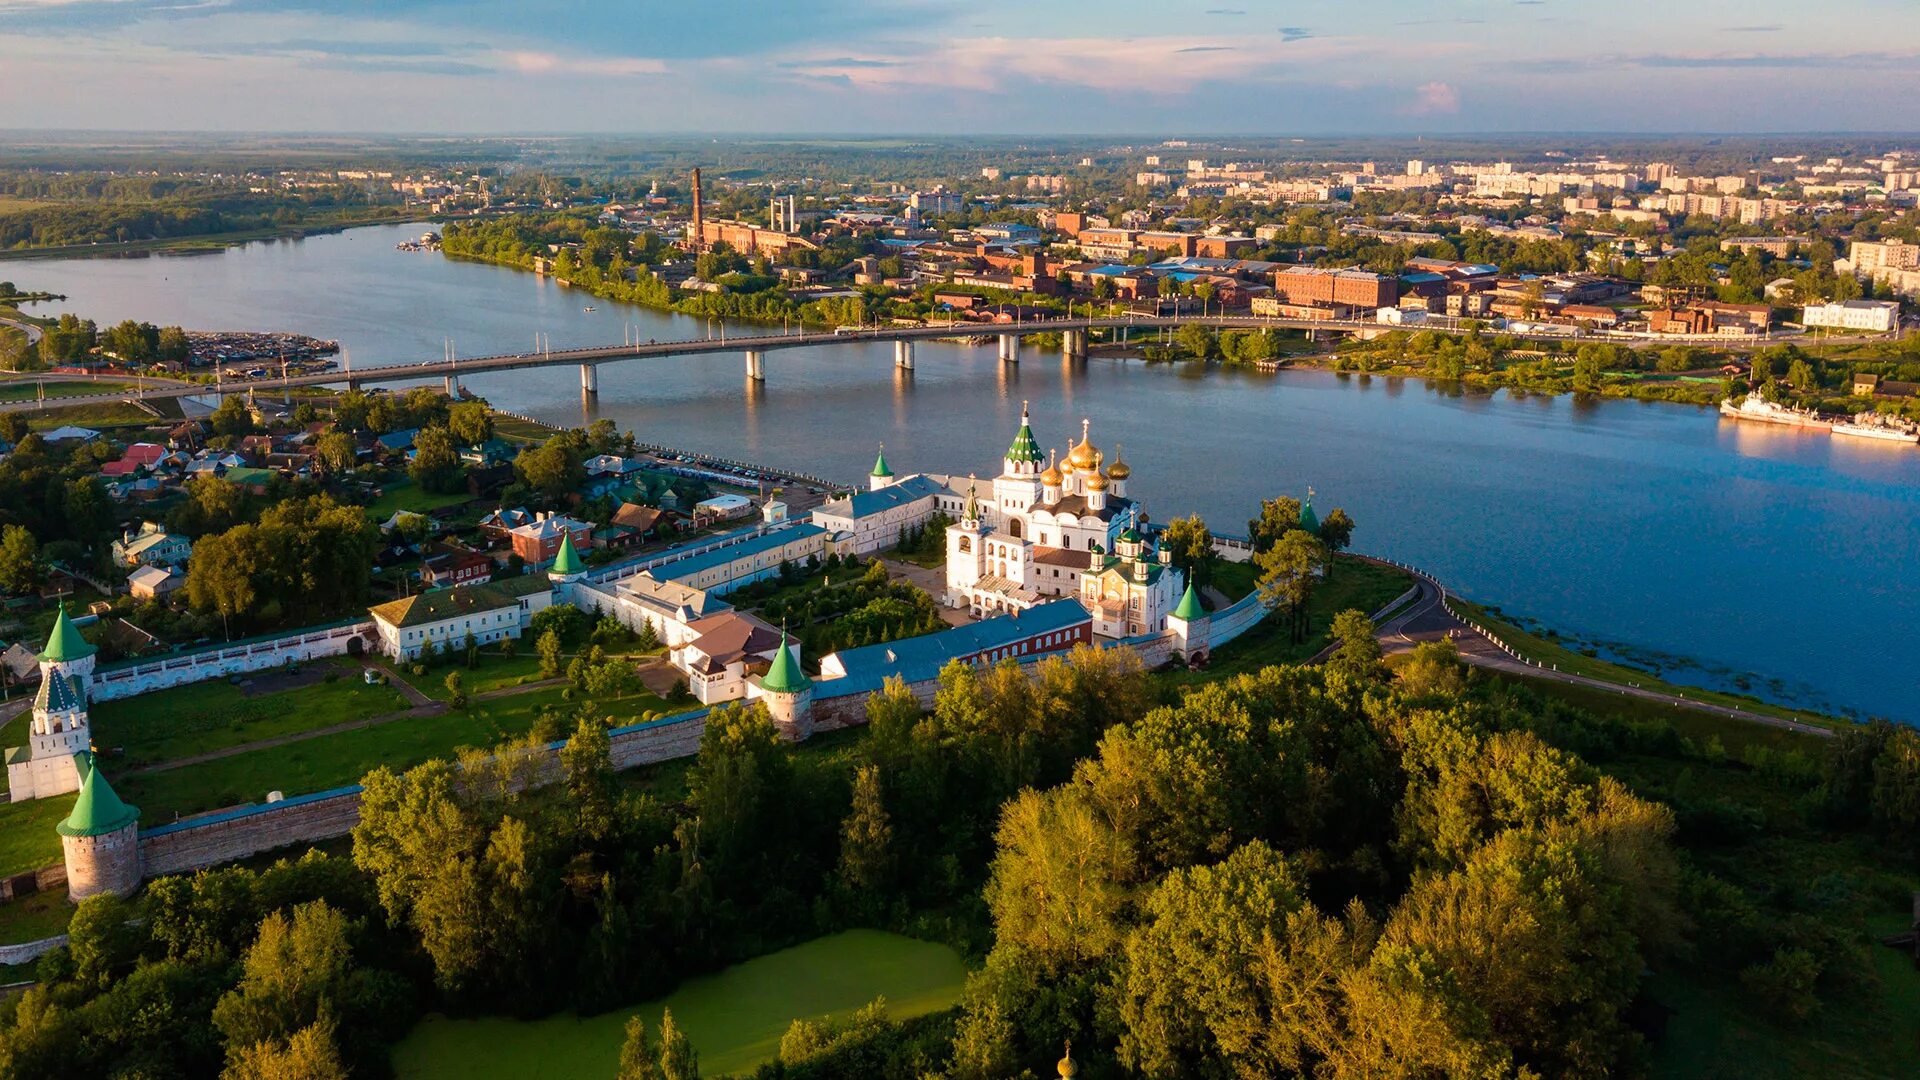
x: 903, y: 354
x: 453, y: 388
x: 756, y: 365
x: 590, y: 380
x: 1009, y: 348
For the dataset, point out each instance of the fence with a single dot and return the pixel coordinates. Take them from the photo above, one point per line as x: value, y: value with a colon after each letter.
x: 178, y: 669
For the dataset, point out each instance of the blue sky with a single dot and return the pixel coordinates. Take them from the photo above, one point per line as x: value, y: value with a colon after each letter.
x: 985, y: 66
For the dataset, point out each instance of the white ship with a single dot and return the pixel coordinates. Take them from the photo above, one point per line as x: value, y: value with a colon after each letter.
x: 1874, y: 426
x: 1755, y: 407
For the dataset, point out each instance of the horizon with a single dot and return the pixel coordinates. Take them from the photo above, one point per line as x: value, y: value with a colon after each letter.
x: 1477, y: 67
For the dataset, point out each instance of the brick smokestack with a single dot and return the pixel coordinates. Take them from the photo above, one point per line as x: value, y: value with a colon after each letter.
x: 696, y: 208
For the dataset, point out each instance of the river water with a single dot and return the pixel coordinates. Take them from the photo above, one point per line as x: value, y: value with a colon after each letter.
x: 1729, y: 555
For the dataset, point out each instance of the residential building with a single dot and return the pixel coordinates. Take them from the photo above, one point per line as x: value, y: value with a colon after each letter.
x: 1869, y: 316
x: 537, y: 542
x: 151, y: 545
x: 1319, y: 285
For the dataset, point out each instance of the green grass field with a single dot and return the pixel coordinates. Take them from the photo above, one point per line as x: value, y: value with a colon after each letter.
x: 27, y: 839
x: 734, y: 1018
x: 515, y: 429
x: 26, y: 389
x: 1552, y: 654
x: 31, y: 918
x: 168, y: 724
x: 403, y: 495
x: 1358, y: 585
x: 318, y: 764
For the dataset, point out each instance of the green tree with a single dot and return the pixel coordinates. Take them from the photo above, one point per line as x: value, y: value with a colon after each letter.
x: 456, y: 691
x: 309, y: 1054
x: 221, y: 576
x: 19, y: 559
x: 1277, y: 518
x: 1060, y: 881
x: 1357, y: 655
x: 1195, y: 340
x: 173, y: 347
x: 587, y: 761
x: 548, y: 646
x: 336, y: 452
x: 1287, y: 573
x: 232, y: 417
x: 470, y: 422
x: 1336, y: 531
x: 293, y: 973
x: 637, y: 1059
x: 677, y: 1058
x: 436, y: 464
x: 1434, y: 669
x: 866, y: 839
x: 1189, y: 545
x: 1800, y: 375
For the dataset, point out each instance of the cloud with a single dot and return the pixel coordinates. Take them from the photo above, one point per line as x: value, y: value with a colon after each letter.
x: 1294, y: 33
x: 1225, y: 11
x: 1206, y: 48
x: 546, y: 63
x: 1771, y: 28
x: 838, y: 62
x: 1435, y: 99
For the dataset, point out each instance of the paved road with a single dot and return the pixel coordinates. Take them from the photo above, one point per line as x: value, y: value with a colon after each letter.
x: 1428, y: 619
x: 33, y: 332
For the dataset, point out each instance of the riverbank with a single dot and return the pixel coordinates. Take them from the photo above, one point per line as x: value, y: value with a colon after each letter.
x: 207, y: 242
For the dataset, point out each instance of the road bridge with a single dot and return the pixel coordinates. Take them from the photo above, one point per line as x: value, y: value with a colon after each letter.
x: 755, y: 347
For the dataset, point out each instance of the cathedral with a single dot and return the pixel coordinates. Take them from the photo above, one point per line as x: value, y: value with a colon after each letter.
x: 1051, y: 528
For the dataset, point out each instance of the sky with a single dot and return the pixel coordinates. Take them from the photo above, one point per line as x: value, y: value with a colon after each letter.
x: 960, y: 66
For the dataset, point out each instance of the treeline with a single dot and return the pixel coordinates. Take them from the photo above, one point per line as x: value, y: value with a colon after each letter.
x: 1330, y: 871
x: 108, y: 221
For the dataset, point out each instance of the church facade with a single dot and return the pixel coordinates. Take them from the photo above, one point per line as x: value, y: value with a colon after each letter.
x: 1050, y: 528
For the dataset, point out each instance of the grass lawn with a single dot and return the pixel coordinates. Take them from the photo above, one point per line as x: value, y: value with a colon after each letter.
x: 31, y: 918
x: 1353, y: 584
x: 213, y: 715
x: 929, y: 560
x: 734, y: 1018
x: 25, y: 389
x: 1552, y: 654
x: 112, y: 414
x: 1734, y: 734
x: 404, y: 495
x: 1234, y: 579
x: 318, y: 764
x: 517, y: 430
x: 27, y: 839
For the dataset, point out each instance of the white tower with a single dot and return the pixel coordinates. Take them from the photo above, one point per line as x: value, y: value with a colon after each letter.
x: 59, y: 728
x: 966, y: 554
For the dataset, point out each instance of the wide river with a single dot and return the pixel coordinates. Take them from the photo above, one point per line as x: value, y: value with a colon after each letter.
x: 1728, y: 554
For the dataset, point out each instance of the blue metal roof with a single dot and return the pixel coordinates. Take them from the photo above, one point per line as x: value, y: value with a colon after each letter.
x: 918, y: 658
x: 899, y: 493
x: 694, y: 564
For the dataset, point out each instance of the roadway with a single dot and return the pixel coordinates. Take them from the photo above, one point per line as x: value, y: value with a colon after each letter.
x: 586, y: 358
x: 1427, y: 618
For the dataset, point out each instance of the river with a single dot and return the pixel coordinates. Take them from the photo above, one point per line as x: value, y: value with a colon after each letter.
x: 1731, y: 555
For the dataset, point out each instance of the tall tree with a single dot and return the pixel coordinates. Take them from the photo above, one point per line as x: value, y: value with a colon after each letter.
x: 866, y: 839
x: 19, y: 559
x: 1189, y: 545
x: 677, y: 1058
x: 1277, y: 518
x: 637, y: 1058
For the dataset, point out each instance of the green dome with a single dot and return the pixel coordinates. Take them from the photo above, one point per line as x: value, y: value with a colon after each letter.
x: 98, y: 811
x: 568, y: 560
x: 880, y: 465
x: 65, y: 643
x: 784, y: 675
x: 1025, y: 447
x: 1189, y: 608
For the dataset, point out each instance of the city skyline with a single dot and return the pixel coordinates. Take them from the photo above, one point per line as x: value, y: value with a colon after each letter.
x: 1474, y: 67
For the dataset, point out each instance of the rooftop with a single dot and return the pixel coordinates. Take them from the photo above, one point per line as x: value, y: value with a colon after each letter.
x: 436, y: 605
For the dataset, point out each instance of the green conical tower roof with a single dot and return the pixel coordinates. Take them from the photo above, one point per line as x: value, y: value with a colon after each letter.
x: 65, y: 643
x: 98, y: 811
x: 784, y: 675
x: 1189, y: 608
x: 1309, y: 520
x: 880, y: 464
x: 1025, y: 447
x: 568, y: 560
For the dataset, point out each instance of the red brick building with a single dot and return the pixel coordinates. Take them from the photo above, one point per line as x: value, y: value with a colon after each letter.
x: 1317, y: 285
x: 538, y: 541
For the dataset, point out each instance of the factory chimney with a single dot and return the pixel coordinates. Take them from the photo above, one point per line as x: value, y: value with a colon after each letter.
x: 697, y: 236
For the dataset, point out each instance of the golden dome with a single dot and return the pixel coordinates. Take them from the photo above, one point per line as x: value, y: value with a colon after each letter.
x: 1096, y: 482
x: 1068, y: 1068
x: 1051, y: 477
x: 1118, y: 470
x: 1084, y: 455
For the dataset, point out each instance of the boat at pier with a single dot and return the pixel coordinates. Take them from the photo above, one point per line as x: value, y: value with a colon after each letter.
x: 1755, y: 407
x: 1868, y: 425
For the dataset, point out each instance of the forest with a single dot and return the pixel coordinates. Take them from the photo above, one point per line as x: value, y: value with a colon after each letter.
x: 1337, y: 871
